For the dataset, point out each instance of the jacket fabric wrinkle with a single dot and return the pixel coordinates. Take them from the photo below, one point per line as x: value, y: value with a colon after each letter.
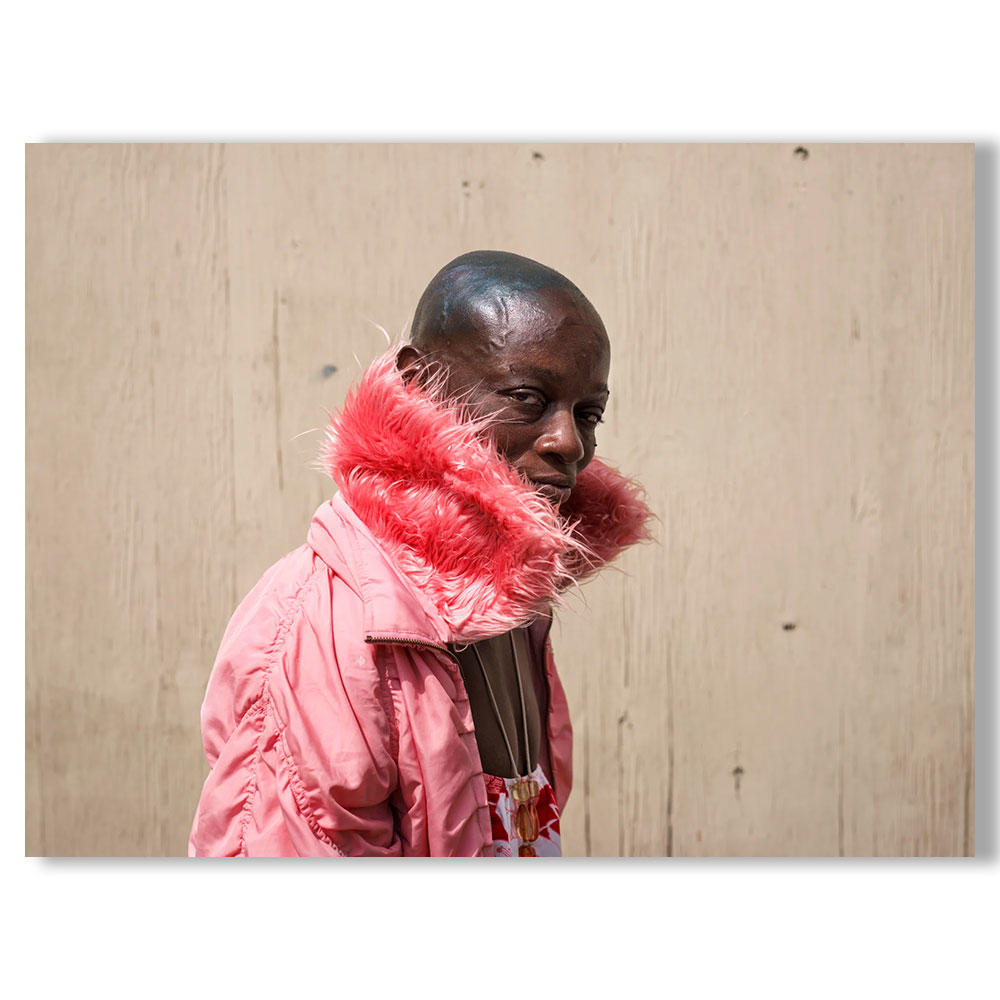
x: 335, y: 720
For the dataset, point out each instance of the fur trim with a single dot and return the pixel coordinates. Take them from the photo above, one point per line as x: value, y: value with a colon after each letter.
x: 457, y: 519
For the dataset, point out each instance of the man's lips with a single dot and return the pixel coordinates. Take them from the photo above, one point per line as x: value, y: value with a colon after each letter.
x: 555, y: 491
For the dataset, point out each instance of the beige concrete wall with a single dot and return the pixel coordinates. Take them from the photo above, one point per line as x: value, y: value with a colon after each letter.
x: 788, y: 672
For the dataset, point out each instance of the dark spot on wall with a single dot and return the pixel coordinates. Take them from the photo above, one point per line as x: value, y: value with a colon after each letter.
x: 737, y: 773
x: 537, y: 156
x: 802, y: 153
x: 465, y: 184
x: 328, y: 370
x: 789, y: 626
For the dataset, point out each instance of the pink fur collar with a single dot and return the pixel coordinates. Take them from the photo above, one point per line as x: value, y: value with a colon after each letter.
x: 457, y: 519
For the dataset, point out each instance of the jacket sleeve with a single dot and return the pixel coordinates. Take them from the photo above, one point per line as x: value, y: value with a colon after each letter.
x: 297, y: 731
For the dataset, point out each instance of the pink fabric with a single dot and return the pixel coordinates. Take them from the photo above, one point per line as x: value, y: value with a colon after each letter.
x: 335, y: 722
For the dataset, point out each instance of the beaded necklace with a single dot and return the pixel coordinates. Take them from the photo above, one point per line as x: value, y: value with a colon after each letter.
x: 525, y: 788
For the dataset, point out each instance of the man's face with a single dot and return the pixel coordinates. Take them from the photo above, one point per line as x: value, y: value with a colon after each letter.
x: 538, y: 364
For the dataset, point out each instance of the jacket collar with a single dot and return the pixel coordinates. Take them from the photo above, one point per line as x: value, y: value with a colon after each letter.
x: 472, y: 550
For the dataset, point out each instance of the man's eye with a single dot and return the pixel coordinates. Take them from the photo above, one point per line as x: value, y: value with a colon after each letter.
x: 592, y: 418
x: 526, y: 396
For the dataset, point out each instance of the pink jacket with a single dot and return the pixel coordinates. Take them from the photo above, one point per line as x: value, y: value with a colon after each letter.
x: 336, y: 721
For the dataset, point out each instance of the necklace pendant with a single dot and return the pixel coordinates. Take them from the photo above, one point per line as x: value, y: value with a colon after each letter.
x: 526, y: 823
x: 525, y: 790
x: 525, y: 793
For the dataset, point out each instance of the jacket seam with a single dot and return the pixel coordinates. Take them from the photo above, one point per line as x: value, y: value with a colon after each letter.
x: 298, y: 786
x: 270, y: 656
x: 252, y: 785
x: 285, y: 623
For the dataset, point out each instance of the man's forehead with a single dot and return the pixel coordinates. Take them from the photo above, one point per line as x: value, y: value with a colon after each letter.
x: 550, y: 353
x: 554, y: 350
x: 530, y: 323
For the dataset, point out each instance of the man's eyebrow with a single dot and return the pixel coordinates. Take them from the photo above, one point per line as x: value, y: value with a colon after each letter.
x: 547, y: 373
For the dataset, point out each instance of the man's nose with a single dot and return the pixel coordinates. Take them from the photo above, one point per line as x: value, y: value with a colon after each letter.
x: 561, y: 437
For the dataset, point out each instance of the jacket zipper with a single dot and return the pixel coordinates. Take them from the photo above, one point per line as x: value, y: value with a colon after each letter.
x: 400, y: 641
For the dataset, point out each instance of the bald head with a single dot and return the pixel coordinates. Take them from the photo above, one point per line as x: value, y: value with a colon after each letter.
x: 478, y: 292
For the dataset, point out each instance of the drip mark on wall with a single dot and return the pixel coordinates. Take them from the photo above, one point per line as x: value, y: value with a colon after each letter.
x: 275, y: 346
x: 620, y: 756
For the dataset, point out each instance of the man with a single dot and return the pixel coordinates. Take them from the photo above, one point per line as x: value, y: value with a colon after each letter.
x: 388, y: 688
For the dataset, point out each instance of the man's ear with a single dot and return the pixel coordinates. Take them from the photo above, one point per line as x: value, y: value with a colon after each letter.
x: 409, y: 362
x: 428, y: 370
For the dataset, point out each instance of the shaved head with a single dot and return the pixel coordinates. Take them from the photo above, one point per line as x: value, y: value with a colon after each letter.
x: 474, y: 293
